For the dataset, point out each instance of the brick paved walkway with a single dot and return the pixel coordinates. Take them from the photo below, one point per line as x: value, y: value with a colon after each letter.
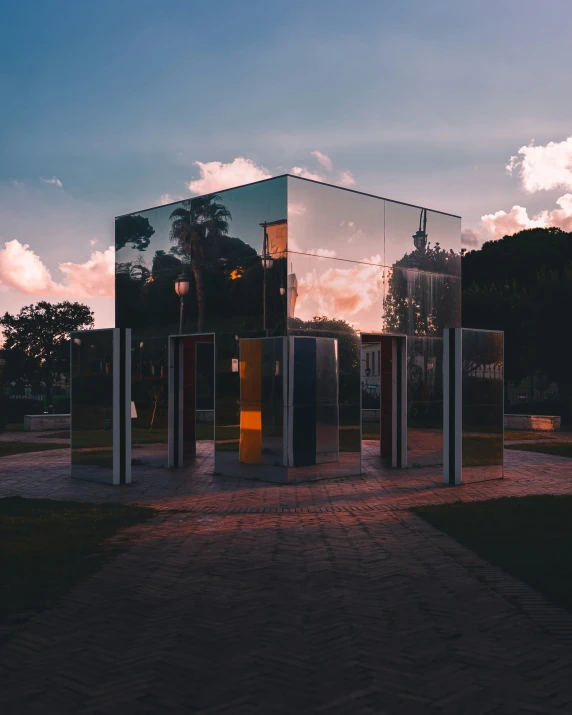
x: 327, y: 597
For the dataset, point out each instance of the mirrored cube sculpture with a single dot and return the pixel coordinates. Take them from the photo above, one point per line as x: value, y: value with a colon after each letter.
x: 101, y: 405
x: 287, y: 276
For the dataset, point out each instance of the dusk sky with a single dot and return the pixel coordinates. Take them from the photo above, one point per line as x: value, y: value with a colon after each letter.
x: 110, y: 107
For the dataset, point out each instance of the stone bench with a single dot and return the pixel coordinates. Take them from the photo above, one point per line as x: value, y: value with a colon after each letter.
x: 41, y: 423
x: 536, y: 423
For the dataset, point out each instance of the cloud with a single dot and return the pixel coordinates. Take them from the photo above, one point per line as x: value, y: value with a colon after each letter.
x: 23, y: 271
x: 305, y: 173
x: 346, y: 178
x: 169, y: 199
x: 93, y: 241
x: 324, y: 160
x: 502, y: 223
x: 470, y: 238
x: 216, y: 176
x: 54, y: 180
x: 542, y: 168
x: 341, y: 291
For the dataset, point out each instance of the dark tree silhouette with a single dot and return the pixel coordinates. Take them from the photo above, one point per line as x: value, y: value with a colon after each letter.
x: 133, y: 230
x: 40, y: 335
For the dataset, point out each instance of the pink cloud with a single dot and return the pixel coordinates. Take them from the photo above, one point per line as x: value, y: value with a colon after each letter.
x: 346, y: 178
x: 324, y: 160
x: 502, y: 223
x: 216, y: 176
x: 169, y: 199
x: 23, y: 271
x: 305, y: 173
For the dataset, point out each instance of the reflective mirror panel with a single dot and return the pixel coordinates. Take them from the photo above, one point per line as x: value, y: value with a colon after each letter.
x: 149, y: 407
x: 332, y: 222
x: 349, y: 295
x: 483, y: 405
x: 323, y: 402
x: 92, y: 367
x: 425, y: 401
x: 250, y: 410
x: 229, y: 246
x: 421, y: 304
x: 422, y: 240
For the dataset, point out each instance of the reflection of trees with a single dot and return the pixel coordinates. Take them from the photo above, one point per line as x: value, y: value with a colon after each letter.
x: 423, y: 292
x: 133, y: 230
x: 197, y: 227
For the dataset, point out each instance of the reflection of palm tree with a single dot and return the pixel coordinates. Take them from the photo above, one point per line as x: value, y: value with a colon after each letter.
x: 196, y: 227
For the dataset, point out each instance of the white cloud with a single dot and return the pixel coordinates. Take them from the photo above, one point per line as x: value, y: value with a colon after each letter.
x: 502, y: 223
x: 93, y: 241
x: 54, y: 180
x: 346, y: 178
x: 216, y: 176
x: 542, y: 168
x: 169, y: 199
x: 324, y: 160
x: 23, y: 271
x: 306, y: 173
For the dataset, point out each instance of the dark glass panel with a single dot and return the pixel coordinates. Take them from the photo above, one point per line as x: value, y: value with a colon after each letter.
x: 218, y: 242
x: 425, y: 401
x: 149, y: 395
x: 483, y: 404
x: 92, y: 405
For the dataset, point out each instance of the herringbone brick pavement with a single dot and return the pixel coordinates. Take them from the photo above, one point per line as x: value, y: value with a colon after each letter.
x: 311, y: 598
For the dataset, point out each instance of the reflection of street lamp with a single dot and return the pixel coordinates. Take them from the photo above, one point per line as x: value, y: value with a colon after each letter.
x: 181, y: 289
x: 266, y: 263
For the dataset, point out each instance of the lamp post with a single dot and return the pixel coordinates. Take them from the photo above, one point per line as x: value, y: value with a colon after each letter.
x: 181, y: 289
x: 141, y: 360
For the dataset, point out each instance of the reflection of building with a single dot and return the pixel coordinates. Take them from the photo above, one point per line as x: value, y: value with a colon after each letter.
x: 296, y: 290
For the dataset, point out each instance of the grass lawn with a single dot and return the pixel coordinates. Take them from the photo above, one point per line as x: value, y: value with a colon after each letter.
x: 523, y: 436
x: 529, y: 537
x: 14, y: 427
x: 8, y: 448
x: 561, y: 449
x: 47, y: 546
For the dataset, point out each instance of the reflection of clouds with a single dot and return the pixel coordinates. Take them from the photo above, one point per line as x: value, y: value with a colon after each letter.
x: 340, y: 291
x: 296, y: 208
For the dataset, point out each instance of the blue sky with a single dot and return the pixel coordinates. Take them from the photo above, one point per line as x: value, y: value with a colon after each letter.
x: 421, y: 102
